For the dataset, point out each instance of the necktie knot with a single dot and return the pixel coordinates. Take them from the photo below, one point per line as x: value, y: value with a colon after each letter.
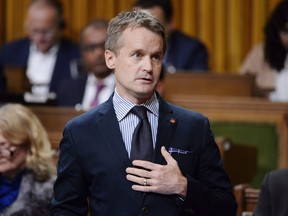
x: 140, y: 112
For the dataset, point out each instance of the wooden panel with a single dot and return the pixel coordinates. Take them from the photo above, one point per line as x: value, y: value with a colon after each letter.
x: 242, y: 110
x: 54, y: 120
x: 2, y: 21
x: 208, y: 84
x: 17, y: 81
x: 246, y: 198
x: 240, y: 163
x: 238, y: 170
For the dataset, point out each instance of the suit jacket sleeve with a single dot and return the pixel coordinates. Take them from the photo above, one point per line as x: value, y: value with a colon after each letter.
x: 70, y: 195
x: 209, y: 189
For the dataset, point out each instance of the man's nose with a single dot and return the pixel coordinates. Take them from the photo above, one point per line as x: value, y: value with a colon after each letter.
x: 147, y: 64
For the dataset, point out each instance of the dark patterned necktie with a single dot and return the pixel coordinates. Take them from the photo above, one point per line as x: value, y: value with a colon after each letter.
x: 142, y: 145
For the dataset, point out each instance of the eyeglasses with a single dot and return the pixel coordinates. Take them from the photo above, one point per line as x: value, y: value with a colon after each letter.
x: 92, y: 47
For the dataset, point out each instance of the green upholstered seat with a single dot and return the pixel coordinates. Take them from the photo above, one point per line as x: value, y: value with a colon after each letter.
x: 263, y: 136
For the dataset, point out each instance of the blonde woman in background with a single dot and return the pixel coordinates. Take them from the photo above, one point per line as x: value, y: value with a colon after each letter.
x: 27, y: 171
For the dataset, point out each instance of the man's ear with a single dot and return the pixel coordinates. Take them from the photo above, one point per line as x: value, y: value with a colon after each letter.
x: 110, y: 59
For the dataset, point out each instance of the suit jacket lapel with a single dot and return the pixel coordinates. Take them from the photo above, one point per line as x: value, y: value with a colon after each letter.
x: 166, y: 127
x: 109, y: 127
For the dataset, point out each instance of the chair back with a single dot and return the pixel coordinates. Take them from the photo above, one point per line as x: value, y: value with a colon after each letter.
x: 246, y: 198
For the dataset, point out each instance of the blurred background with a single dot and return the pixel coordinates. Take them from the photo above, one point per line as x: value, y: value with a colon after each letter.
x: 229, y: 28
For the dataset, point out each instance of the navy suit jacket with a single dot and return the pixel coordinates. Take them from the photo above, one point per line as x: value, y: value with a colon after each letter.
x: 186, y: 53
x: 93, y: 159
x: 16, y: 53
x: 71, y: 91
x: 273, y: 194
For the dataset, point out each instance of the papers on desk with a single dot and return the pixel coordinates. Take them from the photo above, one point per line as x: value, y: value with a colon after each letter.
x: 39, y: 98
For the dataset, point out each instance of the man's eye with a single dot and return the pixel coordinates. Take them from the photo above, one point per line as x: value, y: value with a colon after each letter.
x: 137, y: 55
x: 157, y: 57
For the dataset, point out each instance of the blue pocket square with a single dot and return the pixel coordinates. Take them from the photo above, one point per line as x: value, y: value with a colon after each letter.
x: 178, y: 151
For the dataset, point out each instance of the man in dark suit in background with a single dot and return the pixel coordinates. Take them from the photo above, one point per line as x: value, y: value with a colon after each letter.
x: 273, y: 194
x: 183, y: 52
x: 93, y: 80
x: 174, y: 168
x: 45, y: 54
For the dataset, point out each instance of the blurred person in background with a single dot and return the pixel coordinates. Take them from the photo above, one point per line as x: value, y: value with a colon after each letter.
x: 273, y: 194
x: 26, y: 166
x: 268, y: 61
x: 45, y: 54
x: 93, y: 82
x: 183, y: 52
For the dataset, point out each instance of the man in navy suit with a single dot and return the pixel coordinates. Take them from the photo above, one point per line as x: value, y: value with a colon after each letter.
x: 183, y: 52
x: 44, y: 54
x: 273, y: 194
x: 96, y: 172
x: 91, y: 70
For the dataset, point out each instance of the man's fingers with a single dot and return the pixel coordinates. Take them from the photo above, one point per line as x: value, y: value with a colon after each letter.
x: 168, y: 158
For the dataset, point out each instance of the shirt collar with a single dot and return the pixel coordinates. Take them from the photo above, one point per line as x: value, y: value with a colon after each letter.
x: 122, y: 106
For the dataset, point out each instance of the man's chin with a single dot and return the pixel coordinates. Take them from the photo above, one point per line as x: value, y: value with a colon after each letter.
x: 146, y: 92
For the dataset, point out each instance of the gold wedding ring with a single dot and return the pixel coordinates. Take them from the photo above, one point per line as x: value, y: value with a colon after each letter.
x: 145, y: 182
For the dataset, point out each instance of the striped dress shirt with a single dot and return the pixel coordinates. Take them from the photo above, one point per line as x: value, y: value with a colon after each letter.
x: 128, y: 121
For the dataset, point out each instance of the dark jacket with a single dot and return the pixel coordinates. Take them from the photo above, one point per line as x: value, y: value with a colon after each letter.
x: 186, y: 53
x: 93, y: 159
x: 16, y: 53
x: 273, y: 194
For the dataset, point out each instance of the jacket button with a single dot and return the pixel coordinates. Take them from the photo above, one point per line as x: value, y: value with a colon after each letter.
x: 145, y: 210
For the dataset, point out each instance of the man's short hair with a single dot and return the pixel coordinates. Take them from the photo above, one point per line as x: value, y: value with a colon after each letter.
x: 134, y: 18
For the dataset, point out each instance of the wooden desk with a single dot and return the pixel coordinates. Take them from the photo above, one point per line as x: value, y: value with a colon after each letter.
x: 247, y: 110
x: 208, y: 84
x: 17, y: 81
x: 54, y: 120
